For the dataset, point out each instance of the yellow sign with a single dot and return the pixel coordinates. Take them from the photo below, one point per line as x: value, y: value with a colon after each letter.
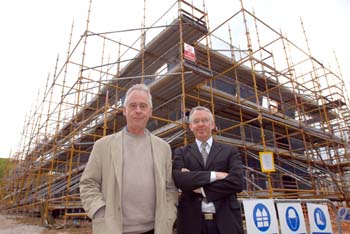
x: 266, y: 161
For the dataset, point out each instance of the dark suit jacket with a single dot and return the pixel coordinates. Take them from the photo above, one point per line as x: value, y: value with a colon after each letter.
x: 222, y: 193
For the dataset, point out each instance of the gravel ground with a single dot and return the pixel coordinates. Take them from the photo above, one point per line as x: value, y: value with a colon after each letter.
x: 12, y: 224
x: 9, y: 225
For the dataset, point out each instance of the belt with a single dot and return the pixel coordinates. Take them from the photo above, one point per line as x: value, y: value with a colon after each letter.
x: 208, y: 216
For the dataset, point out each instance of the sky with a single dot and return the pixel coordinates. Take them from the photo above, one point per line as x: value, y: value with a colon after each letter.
x: 34, y: 33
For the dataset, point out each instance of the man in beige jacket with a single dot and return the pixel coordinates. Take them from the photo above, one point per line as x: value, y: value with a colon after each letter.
x: 126, y: 187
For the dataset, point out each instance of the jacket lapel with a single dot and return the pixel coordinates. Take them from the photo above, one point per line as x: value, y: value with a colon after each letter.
x: 193, y: 149
x: 116, y: 149
x: 157, y: 171
x: 214, y: 151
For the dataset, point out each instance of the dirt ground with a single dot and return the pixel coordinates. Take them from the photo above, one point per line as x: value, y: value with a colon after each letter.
x: 14, y: 224
x: 19, y: 224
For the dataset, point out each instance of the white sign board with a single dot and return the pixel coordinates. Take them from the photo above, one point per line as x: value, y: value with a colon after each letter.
x: 291, y: 218
x: 267, y: 162
x: 260, y: 216
x: 344, y: 214
x: 320, y: 222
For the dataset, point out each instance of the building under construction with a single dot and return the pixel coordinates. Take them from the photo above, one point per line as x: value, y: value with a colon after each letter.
x: 267, y: 94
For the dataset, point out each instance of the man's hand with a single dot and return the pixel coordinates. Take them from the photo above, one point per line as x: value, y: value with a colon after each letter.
x: 220, y: 175
x: 184, y: 170
x: 198, y: 190
x: 100, y: 213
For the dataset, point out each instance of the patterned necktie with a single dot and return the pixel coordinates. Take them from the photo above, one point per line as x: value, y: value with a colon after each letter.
x: 204, y: 151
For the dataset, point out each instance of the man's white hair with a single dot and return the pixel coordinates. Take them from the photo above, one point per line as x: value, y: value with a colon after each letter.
x: 139, y: 87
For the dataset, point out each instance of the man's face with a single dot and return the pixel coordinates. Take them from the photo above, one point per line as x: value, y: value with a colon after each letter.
x: 137, y: 111
x: 201, y: 125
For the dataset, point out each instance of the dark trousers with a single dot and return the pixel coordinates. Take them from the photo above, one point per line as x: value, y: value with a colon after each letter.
x: 209, y: 227
x: 149, y: 232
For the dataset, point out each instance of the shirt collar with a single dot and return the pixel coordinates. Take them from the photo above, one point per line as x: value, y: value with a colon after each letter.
x: 209, y: 141
x: 146, y: 132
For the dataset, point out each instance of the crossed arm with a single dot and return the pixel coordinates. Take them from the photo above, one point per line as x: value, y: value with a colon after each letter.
x: 188, y: 177
x: 214, y: 176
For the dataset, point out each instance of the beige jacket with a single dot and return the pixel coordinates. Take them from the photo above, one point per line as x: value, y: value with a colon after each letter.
x: 100, y: 185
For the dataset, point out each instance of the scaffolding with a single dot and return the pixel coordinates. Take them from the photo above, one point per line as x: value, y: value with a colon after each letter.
x: 267, y: 95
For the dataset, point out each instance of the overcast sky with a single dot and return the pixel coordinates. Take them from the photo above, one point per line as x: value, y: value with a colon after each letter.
x: 34, y: 32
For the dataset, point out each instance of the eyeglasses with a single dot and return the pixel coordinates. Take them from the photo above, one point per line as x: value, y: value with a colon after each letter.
x: 142, y: 106
x: 198, y: 121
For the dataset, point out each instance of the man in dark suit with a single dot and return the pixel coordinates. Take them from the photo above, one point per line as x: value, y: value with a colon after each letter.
x: 209, y: 175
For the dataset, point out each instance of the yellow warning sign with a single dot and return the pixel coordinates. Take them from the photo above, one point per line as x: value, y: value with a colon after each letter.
x: 266, y: 161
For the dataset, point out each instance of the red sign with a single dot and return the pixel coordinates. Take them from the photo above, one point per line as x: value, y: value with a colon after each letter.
x: 189, y: 52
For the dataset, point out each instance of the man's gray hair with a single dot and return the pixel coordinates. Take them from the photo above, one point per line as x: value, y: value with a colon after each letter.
x: 139, y: 87
x: 201, y: 108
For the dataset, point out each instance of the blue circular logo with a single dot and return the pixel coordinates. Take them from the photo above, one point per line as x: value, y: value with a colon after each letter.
x: 292, y: 218
x: 320, y: 219
x: 262, y: 218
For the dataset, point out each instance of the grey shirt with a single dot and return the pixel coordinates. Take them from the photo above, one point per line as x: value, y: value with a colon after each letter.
x: 138, y: 188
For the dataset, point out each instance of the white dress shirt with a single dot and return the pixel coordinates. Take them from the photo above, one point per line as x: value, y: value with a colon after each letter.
x: 207, y: 207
